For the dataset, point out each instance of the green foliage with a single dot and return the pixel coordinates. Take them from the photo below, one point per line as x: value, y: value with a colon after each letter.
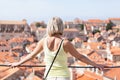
x: 37, y: 24
x: 95, y: 31
x: 109, y: 26
x: 70, y: 39
x: 81, y: 26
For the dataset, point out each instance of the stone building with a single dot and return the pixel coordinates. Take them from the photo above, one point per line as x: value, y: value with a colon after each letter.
x: 10, y: 29
x: 115, y: 21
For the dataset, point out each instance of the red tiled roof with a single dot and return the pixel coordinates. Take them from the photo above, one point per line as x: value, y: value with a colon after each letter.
x: 83, y: 51
x: 87, y: 74
x: 93, y: 45
x: 84, y: 77
x: 114, y: 19
x: 16, y: 40
x: 115, y: 51
x: 113, y: 72
x: 30, y: 39
x: 17, y: 47
x: 93, y: 75
x: 95, y: 21
x: 21, y: 39
x: 7, y: 72
x: 3, y: 42
x: 12, y: 22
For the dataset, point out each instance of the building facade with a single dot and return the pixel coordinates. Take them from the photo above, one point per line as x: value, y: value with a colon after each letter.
x: 12, y: 29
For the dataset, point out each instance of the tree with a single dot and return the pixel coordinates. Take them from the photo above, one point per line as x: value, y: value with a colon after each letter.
x: 95, y: 31
x: 109, y: 26
x: 40, y: 24
x: 80, y: 26
x: 37, y: 24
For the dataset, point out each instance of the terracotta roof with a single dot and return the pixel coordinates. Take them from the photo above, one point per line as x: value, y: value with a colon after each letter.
x: 11, y: 22
x: 17, y: 47
x: 94, y: 45
x: 30, y: 39
x: 93, y: 75
x: 87, y: 75
x: 21, y: 39
x: 113, y: 72
x: 107, y: 21
x: 115, y: 27
x: 115, y: 51
x: 114, y: 19
x: 83, y: 51
x: 84, y: 77
x: 95, y: 21
x: 16, y: 40
x: 4, y: 43
x: 72, y: 29
x: 7, y: 72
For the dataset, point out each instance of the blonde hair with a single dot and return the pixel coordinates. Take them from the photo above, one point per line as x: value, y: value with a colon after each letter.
x: 55, y: 26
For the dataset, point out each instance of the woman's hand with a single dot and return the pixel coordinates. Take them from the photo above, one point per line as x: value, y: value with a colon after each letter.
x: 15, y: 64
x: 101, y: 67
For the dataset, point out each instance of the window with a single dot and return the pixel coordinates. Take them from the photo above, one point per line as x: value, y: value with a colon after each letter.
x: 2, y: 35
x: 6, y: 51
x: 3, y: 26
x: 10, y: 28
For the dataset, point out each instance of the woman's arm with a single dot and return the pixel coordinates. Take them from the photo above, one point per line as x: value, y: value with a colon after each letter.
x: 68, y: 47
x: 37, y: 50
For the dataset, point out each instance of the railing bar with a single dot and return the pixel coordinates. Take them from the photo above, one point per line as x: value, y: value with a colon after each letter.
x: 68, y: 66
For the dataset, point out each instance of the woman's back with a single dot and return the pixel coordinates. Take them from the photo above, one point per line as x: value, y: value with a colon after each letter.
x: 59, y: 68
x: 53, y: 43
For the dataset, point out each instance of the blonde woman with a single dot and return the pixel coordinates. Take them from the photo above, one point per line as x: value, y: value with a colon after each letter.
x: 50, y: 45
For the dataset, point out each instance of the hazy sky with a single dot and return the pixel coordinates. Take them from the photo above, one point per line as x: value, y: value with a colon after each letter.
x: 38, y: 10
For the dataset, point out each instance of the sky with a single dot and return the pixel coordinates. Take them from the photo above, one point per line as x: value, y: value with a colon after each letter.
x: 68, y: 10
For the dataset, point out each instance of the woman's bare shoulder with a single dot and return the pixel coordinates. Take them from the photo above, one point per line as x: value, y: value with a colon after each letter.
x: 41, y: 41
x: 67, y: 44
x: 66, y: 41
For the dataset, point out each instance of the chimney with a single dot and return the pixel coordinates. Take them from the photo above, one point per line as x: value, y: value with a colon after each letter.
x: 115, y: 78
x: 68, y: 27
x: 85, y: 30
x: 25, y: 21
x: 102, y: 73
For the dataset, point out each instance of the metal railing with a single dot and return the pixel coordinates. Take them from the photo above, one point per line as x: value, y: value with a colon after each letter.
x: 5, y: 65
